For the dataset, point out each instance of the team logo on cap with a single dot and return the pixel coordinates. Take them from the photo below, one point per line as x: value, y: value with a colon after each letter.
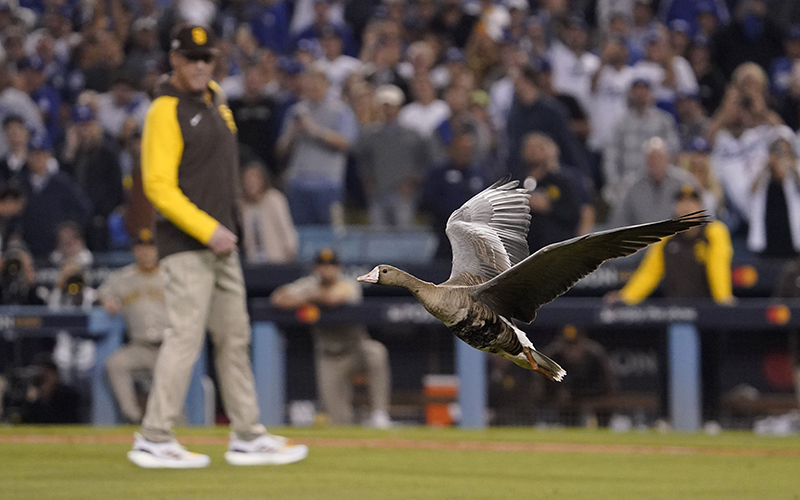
x: 199, y: 36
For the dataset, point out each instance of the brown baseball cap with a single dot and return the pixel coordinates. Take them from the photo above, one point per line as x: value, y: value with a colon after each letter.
x: 327, y: 256
x: 193, y: 40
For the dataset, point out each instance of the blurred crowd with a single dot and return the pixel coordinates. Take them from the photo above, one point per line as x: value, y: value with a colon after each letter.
x: 393, y: 113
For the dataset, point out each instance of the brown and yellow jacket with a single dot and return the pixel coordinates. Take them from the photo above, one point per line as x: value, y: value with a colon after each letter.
x: 190, y: 166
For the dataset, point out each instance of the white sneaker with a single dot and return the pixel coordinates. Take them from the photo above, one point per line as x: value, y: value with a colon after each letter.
x: 264, y: 450
x: 379, y: 419
x: 167, y: 455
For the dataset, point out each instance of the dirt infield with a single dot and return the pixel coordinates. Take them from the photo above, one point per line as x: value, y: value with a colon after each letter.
x: 414, y: 444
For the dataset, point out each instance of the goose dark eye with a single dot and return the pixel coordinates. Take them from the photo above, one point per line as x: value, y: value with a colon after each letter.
x: 384, y: 271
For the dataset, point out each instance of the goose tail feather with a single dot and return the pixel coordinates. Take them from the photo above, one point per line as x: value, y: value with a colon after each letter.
x: 549, y: 365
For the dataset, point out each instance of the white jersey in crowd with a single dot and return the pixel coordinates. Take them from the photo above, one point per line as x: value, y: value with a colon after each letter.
x: 424, y: 118
x: 338, y: 70
x: 112, y: 117
x: 736, y: 163
x: 609, y: 103
x: 501, y: 97
x: 572, y: 74
x: 685, y: 80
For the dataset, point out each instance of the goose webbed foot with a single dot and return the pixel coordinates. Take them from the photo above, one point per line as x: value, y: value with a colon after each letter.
x: 535, y: 366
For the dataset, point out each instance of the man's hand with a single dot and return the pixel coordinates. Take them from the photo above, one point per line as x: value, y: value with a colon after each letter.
x: 223, y: 241
x: 112, y: 306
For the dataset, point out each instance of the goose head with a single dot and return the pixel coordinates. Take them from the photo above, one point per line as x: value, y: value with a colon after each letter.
x: 384, y: 275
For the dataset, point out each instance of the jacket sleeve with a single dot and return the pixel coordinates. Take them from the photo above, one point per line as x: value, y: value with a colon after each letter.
x: 162, y: 149
x: 647, y: 276
x: 718, y: 262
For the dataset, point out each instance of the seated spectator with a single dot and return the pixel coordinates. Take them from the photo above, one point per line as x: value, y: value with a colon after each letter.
x: 256, y: 118
x: 555, y: 202
x: 461, y: 120
x: 751, y: 36
x: 775, y: 204
x: 391, y: 160
x: 137, y: 292
x: 449, y: 185
x: 668, y: 73
x: 317, y: 131
x: 268, y: 233
x: 121, y: 110
x: 340, y: 351
x: 322, y: 21
x: 650, y: 195
x: 52, y: 198
x: 48, y: 400
x: 590, y: 371
x: 624, y: 156
x: 17, y: 137
x: 692, y: 264
x: 70, y: 246
x: 14, y: 102
x: 425, y: 112
x: 92, y: 159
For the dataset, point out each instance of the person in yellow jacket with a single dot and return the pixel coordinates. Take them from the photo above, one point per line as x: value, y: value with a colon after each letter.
x: 190, y: 173
x: 693, y: 264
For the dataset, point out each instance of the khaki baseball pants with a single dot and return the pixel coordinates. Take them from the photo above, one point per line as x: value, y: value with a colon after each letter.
x: 204, y: 291
x: 121, y: 367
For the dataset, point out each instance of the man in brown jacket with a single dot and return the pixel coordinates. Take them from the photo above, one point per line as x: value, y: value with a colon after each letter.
x: 190, y: 174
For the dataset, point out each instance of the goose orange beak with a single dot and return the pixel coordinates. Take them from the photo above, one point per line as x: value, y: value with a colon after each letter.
x: 370, y: 277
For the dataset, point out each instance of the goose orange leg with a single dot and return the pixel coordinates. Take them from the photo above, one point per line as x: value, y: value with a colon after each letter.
x: 535, y: 366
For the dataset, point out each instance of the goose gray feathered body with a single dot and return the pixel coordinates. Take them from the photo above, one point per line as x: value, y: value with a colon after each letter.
x: 494, y: 281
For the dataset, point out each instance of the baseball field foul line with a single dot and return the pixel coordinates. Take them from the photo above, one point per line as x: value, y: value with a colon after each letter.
x: 414, y: 444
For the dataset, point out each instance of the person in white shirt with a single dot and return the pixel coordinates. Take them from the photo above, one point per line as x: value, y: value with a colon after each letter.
x: 17, y: 135
x: 121, y: 110
x: 609, y: 96
x: 335, y: 64
x: 670, y: 73
x: 426, y: 112
x: 573, y: 65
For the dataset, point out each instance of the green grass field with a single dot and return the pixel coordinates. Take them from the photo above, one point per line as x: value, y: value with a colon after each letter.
x: 411, y: 463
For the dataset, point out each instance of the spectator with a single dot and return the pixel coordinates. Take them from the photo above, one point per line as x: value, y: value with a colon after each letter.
x: 268, y: 233
x: 668, y: 73
x: 18, y: 277
x: 137, y: 292
x: 449, y: 185
x: 321, y: 22
x: 336, y: 65
x: 317, y: 132
x: 775, y: 205
x: 425, y: 112
x: 710, y: 80
x: 591, y: 373
x: 780, y: 72
x: 269, y: 21
x: 121, y: 110
x: 92, y: 159
x: 47, y: 399
x: 624, y: 156
x: 692, y: 119
x: 256, y: 118
x: 453, y: 23
x: 381, y: 55
x: 680, y: 38
x: 609, y: 94
x: 573, y: 65
x: 709, y: 16
x: 340, y: 351
x: 46, y: 98
x: 52, y: 198
x: 651, y: 194
x: 70, y: 246
x: 751, y: 36
x: 462, y: 120
x: 420, y: 60
x: 145, y: 55
x: 17, y: 137
x: 644, y: 23
x: 12, y: 201
x: 555, y: 203
x: 391, y: 160
x: 698, y: 163
x: 14, y: 102
x: 534, y: 111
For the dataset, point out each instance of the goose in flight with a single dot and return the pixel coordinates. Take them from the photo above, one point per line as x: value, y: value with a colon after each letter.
x: 494, y: 281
